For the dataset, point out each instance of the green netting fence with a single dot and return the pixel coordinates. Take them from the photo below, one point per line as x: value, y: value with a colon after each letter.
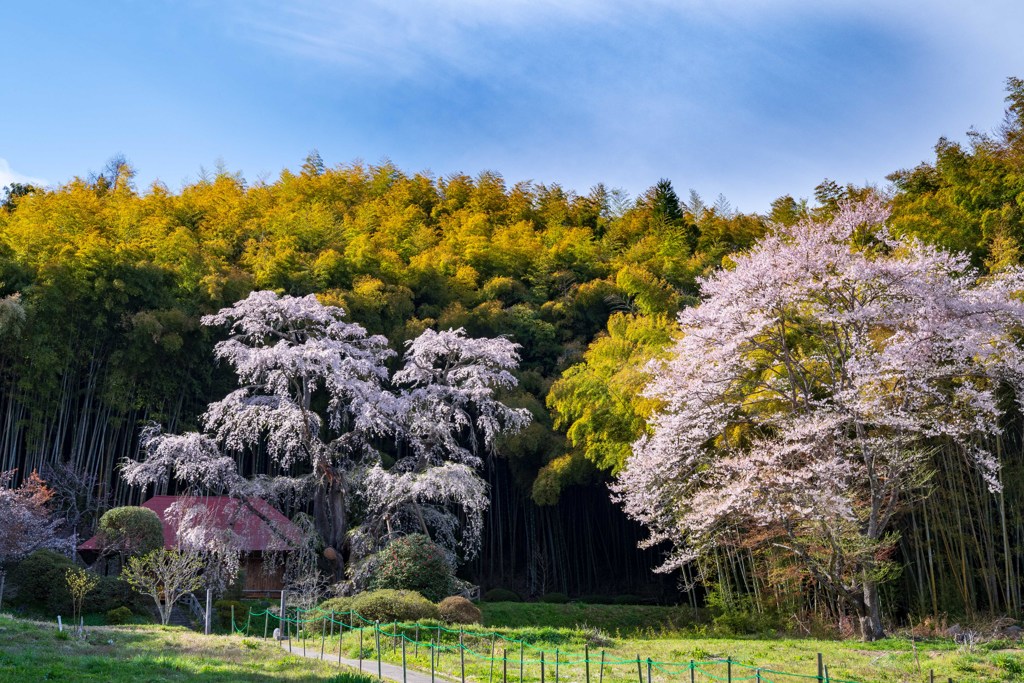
x: 489, y: 655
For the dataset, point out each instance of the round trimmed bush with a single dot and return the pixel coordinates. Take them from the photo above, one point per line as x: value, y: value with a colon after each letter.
x: 131, y: 530
x: 414, y: 563
x: 394, y: 605
x: 336, y: 605
x: 501, y: 595
x: 558, y: 598
x: 458, y: 610
x: 119, y: 615
x: 40, y: 579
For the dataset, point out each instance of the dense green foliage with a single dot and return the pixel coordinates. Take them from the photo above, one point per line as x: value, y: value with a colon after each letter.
x: 414, y: 563
x: 130, y: 531
x: 394, y: 605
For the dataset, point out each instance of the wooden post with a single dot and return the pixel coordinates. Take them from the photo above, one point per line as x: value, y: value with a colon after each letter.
x: 693, y: 672
x: 600, y: 673
x: 376, y: 631
x: 650, y: 665
x: 433, y: 653
x: 341, y: 634
x: 821, y: 669
x: 728, y: 669
x: 360, y: 649
x: 266, y: 622
x: 639, y: 672
x: 542, y: 666
x: 504, y: 665
x: 757, y: 675
x: 520, y: 661
x: 207, y: 621
x: 280, y: 620
x: 491, y: 676
x: 931, y: 676
x: 404, y: 680
x: 462, y: 656
x: 288, y: 625
x: 556, y: 664
x: 323, y: 634
x: 586, y: 659
x: 827, y: 678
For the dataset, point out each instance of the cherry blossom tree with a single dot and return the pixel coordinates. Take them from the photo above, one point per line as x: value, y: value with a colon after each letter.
x: 317, y: 398
x: 808, y: 390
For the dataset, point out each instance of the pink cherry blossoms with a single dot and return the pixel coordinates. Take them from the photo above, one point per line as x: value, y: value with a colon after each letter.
x: 802, y: 401
x: 317, y: 398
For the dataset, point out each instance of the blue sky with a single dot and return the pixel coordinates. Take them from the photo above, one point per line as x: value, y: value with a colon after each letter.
x: 749, y: 99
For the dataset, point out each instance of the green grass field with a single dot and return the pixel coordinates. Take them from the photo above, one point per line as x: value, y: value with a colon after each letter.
x: 32, y: 651
x: 887, y: 661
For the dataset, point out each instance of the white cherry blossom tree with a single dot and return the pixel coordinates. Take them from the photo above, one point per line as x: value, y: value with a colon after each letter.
x: 802, y: 401
x: 317, y: 397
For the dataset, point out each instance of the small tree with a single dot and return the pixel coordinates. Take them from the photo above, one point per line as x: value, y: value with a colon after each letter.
x: 80, y: 583
x: 128, y: 531
x: 164, y: 575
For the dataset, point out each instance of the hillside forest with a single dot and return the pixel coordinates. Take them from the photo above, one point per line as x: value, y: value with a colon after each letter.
x: 103, y: 284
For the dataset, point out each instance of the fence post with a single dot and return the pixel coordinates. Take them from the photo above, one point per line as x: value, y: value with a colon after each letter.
x: 521, y: 661
x: 557, y: 658
x: 491, y: 677
x: 504, y: 665
x: 233, y: 629
x: 416, y: 646
x: 931, y: 676
x: 433, y: 652
x: 209, y: 608
x: 827, y: 677
x: 600, y: 672
x: 376, y: 632
x: 403, y: 661
x: 542, y: 666
x: 650, y: 665
x: 341, y: 635
x: 462, y: 656
x: 586, y: 660
x: 728, y: 669
x: 323, y: 633
x: 693, y: 672
x: 757, y: 675
x: 639, y: 671
x: 821, y: 670
x: 360, y: 649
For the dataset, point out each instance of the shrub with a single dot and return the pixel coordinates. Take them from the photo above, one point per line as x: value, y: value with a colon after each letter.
x: 458, y: 610
x: 558, y: 598
x: 414, y: 563
x: 597, y: 599
x: 111, y: 593
x: 336, y: 605
x: 627, y: 600
x: 40, y: 580
x: 501, y: 595
x: 119, y: 615
x: 394, y: 605
x: 130, y: 531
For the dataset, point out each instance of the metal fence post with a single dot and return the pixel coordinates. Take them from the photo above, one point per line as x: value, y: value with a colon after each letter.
x: 376, y: 631
x: 821, y: 669
x: 403, y: 660
x: 639, y: 672
x: 586, y: 660
x: 462, y: 656
x: 600, y: 673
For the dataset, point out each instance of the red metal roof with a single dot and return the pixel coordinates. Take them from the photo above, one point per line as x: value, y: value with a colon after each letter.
x: 227, y: 512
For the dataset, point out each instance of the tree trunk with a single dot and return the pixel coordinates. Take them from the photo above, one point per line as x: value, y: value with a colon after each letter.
x: 871, y: 616
x: 329, y: 511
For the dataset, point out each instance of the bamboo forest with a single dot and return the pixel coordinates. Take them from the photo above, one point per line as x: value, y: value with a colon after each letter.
x: 104, y: 286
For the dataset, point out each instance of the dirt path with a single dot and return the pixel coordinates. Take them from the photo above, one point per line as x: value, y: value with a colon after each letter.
x: 392, y: 672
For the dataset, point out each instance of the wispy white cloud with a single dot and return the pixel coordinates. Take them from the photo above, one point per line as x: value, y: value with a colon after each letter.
x: 8, y: 175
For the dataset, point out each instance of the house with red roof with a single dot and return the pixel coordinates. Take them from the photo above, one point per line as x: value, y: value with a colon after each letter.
x: 257, y: 526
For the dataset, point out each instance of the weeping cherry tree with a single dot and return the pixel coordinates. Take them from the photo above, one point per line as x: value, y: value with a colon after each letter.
x: 808, y: 391
x: 316, y: 397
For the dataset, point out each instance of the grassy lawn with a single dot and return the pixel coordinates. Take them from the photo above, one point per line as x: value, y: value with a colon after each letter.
x: 887, y: 661
x: 32, y: 651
